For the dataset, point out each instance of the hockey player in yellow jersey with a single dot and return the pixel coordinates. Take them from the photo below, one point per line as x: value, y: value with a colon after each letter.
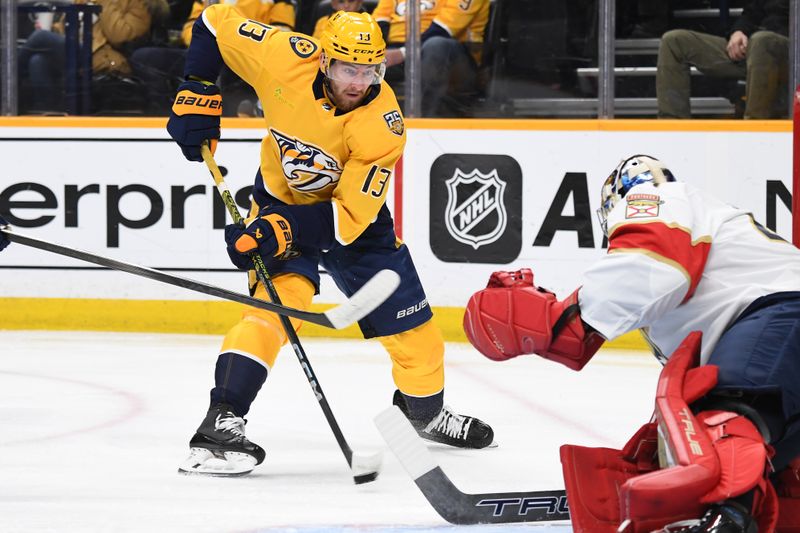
x: 334, y: 133
x: 239, y: 98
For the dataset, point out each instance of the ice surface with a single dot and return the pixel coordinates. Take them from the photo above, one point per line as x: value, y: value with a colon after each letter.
x: 95, y: 424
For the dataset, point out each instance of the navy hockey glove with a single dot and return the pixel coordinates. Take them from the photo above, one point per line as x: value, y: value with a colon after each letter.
x: 195, y: 117
x: 271, y: 234
x: 3, y: 239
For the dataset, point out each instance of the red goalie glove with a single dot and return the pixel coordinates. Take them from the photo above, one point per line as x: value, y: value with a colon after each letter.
x: 512, y: 316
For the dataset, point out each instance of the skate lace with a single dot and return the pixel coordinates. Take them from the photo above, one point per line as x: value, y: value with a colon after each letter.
x: 450, y: 424
x: 230, y: 424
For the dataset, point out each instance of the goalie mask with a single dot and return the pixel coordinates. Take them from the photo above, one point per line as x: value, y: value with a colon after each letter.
x: 353, y: 49
x: 630, y: 172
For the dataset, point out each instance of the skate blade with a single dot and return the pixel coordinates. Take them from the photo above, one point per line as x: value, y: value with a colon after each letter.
x: 220, y: 464
x: 435, y: 444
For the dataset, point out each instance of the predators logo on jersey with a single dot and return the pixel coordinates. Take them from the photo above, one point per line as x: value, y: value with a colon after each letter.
x: 306, y: 167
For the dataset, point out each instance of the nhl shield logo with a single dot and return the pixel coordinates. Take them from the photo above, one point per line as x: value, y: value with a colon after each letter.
x: 475, y: 213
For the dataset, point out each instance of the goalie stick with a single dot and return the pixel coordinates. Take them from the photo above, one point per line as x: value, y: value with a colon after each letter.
x: 380, y: 287
x: 453, y: 505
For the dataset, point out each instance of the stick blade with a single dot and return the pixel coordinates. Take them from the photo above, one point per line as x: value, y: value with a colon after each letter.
x: 404, y: 442
x: 452, y: 504
x: 366, y: 467
x: 365, y: 300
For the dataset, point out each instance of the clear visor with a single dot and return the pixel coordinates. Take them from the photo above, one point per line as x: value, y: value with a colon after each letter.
x: 356, y: 73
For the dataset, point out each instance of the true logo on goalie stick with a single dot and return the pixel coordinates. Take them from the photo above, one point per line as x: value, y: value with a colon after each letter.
x: 553, y: 505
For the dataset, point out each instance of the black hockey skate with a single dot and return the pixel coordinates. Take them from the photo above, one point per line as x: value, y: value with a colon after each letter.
x: 220, y: 448
x: 450, y: 428
x: 728, y: 517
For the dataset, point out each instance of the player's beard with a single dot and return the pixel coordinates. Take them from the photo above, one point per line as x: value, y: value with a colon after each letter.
x: 346, y: 98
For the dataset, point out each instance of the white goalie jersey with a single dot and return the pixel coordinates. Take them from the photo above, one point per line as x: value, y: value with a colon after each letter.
x: 680, y: 261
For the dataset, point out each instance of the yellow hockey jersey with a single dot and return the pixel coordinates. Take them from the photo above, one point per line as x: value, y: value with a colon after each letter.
x: 267, y: 11
x: 464, y: 20
x: 312, y: 152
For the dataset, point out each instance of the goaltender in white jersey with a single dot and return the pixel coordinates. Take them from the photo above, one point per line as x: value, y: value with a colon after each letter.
x: 718, y: 297
x: 682, y: 261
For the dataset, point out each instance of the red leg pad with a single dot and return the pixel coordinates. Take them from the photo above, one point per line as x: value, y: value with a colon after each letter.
x: 593, y: 476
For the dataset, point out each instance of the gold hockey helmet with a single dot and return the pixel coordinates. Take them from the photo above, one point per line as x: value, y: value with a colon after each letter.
x: 353, y: 38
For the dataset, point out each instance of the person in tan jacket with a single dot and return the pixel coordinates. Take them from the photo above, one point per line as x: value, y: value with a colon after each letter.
x: 120, y: 24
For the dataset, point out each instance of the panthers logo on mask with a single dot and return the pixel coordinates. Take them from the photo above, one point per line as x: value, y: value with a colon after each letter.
x: 306, y: 167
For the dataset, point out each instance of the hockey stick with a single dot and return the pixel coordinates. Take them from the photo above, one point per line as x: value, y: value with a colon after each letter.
x: 361, y: 304
x: 453, y: 505
x: 365, y: 468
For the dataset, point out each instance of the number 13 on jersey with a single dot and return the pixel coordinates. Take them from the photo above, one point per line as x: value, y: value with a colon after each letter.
x: 376, y: 181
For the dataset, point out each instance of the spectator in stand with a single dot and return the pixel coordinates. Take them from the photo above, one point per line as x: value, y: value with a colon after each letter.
x: 642, y: 19
x: 121, y: 25
x: 162, y: 67
x: 452, y: 40
x: 41, y: 62
x: 757, y: 49
x: 336, y: 5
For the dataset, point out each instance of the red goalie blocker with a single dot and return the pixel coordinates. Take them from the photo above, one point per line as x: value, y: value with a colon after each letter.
x: 710, y: 457
x: 512, y: 316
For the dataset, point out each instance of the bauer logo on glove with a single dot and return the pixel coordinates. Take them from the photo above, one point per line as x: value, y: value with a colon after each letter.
x: 187, y: 102
x: 195, y: 117
x: 270, y: 234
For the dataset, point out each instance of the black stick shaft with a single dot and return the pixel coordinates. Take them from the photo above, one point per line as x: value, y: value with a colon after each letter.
x: 263, y: 277
x: 163, y: 277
